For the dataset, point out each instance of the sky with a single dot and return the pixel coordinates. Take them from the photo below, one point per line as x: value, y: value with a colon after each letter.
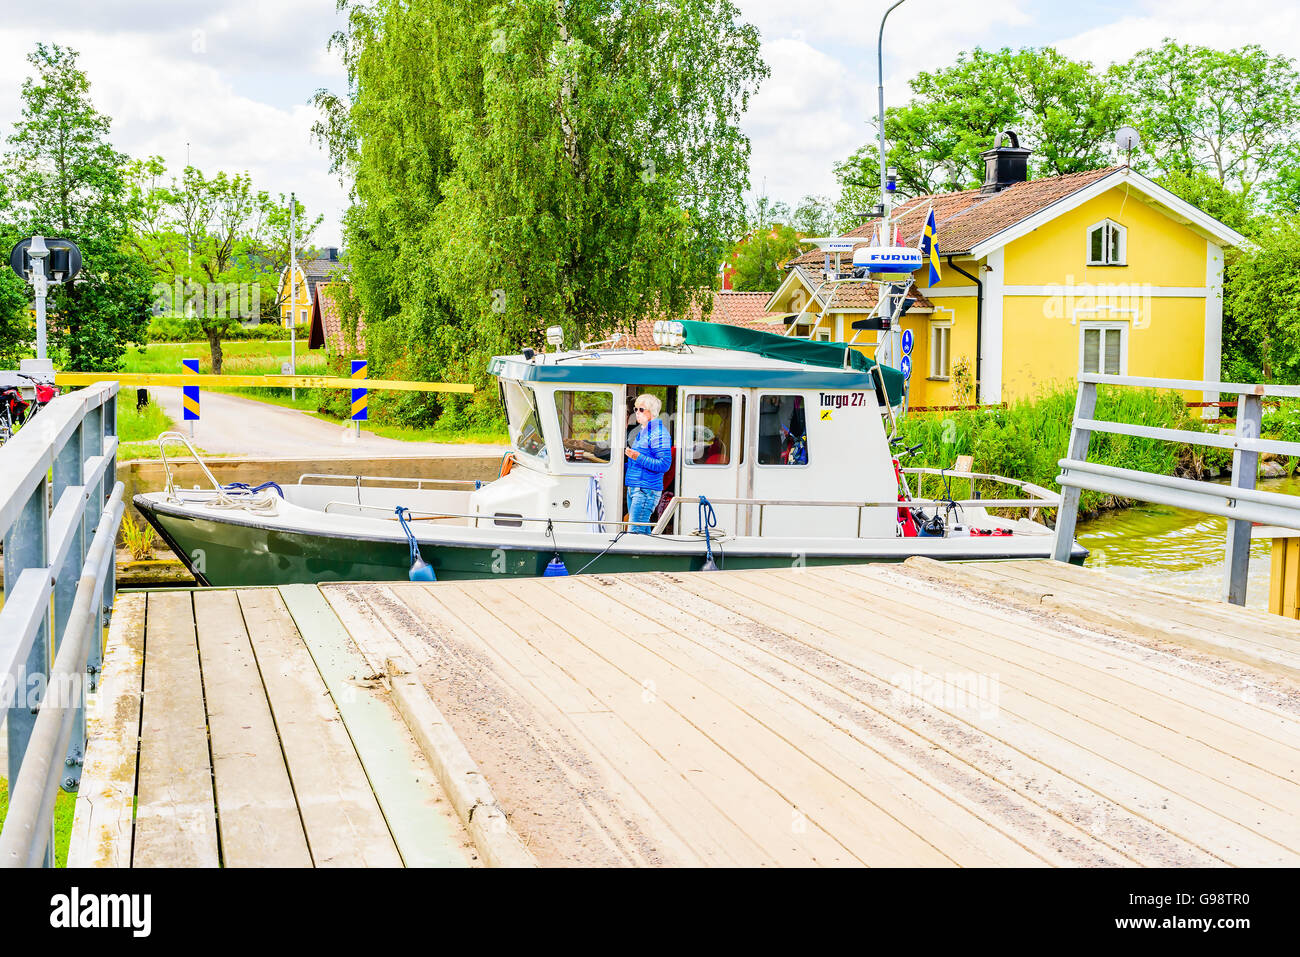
x: 233, y: 79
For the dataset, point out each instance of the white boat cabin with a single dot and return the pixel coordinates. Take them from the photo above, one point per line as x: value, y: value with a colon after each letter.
x: 756, y: 416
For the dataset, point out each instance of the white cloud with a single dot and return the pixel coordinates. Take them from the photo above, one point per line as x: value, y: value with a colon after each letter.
x: 1274, y: 26
x: 239, y: 98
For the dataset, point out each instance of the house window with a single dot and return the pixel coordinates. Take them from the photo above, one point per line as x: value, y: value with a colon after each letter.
x: 823, y: 334
x: 1103, y: 348
x: 302, y: 315
x: 1107, y: 244
x: 940, y: 350
x: 782, y: 430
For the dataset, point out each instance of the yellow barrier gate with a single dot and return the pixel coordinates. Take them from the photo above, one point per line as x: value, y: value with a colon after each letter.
x: 230, y: 381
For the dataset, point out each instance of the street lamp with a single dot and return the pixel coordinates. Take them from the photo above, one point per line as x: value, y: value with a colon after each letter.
x: 880, y: 68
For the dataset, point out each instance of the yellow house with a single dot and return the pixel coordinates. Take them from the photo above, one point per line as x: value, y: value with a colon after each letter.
x: 307, y: 274
x: 1102, y: 271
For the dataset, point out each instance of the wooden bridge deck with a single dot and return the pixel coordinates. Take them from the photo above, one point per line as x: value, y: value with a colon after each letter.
x: 1011, y: 713
x: 246, y: 733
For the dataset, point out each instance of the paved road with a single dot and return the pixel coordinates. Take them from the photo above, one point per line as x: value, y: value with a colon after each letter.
x: 235, y: 425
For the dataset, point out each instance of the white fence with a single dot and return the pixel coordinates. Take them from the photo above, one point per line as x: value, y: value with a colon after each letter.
x: 60, y: 507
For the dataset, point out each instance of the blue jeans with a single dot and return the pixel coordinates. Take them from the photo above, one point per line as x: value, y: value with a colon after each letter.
x: 640, y: 503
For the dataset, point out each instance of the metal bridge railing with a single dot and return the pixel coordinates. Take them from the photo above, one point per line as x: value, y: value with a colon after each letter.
x: 60, y: 507
x: 1240, y: 502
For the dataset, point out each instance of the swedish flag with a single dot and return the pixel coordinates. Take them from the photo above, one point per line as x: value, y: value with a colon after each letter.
x: 930, y: 248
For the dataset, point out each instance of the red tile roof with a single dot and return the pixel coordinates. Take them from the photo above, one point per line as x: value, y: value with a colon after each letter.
x: 327, y: 324
x: 967, y: 218
x: 736, y: 308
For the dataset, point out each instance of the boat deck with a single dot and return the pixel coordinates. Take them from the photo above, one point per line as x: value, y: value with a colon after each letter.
x: 986, y: 714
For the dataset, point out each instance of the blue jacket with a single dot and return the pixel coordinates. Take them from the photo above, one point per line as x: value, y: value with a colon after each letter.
x: 655, y: 448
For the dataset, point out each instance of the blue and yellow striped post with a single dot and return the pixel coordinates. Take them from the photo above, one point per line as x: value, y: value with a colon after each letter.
x: 360, y: 402
x: 190, y: 394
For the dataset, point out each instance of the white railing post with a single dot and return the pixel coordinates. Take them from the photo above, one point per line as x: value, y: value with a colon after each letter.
x: 1245, y: 466
x: 1068, y: 514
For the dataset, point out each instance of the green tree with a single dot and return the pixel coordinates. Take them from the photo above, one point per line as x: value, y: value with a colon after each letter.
x: 1207, y: 194
x: 814, y: 216
x: 65, y: 179
x: 576, y: 163
x: 1262, y: 302
x: 757, y: 259
x: 216, y: 246
x: 1230, y: 113
x: 1061, y: 108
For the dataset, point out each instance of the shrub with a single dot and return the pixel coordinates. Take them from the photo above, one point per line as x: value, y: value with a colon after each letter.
x: 180, y: 329
x: 1028, y: 438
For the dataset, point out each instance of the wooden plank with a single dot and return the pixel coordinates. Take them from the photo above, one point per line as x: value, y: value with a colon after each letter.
x: 102, y: 825
x: 864, y: 832
x: 256, y: 810
x: 629, y: 796
x: 1113, y: 615
x: 876, y: 718
x: 949, y: 748
x: 1235, y: 629
x: 175, y: 820
x: 405, y: 786
x: 883, y: 648
x: 1175, y: 731
x: 343, y: 823
x: 1207, y: 808
x: 464, y: 784
x: 1248, y: 624
x: 1206, y: 686
x: 1277, y: 575
x: 944, y: 825
x: 1291, y: 590
x: 751, y: 821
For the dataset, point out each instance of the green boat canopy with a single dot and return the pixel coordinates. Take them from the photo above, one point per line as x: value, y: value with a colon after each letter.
x: 829, y: 355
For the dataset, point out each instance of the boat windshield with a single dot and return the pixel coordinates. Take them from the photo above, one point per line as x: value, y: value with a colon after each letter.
x: 525, y: 425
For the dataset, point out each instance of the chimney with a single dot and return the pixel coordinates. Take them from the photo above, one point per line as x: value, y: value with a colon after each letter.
x: 1004, y: 165
x: 332, y: 253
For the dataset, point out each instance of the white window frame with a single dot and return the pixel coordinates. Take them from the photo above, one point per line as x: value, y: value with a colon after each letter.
x: 1101, y: 354
x: 935, y: 326
x: 1106, y: 225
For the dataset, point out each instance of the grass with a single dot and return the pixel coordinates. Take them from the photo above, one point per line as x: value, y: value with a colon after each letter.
x: 264, y: 358
x: 141, y: 425
x: 64, y: 807
x: 238, y: 358
x: 1028, y: 438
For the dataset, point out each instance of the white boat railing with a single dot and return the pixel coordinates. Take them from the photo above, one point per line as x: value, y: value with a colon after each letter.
x: 419, y: 483
x: 1043, y: 499
x: 59, y: 589
x: 1240, y: 502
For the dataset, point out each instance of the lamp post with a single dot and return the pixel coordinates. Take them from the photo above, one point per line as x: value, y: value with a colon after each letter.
x: 880, y: 116
x: 892, y: 337
x: 39, y: 252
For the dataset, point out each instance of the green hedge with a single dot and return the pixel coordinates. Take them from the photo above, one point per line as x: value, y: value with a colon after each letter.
x: 173, y: 329
x: 1029, y: 437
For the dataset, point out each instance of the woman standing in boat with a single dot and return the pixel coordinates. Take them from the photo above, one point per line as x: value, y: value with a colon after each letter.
x: 650, y: 455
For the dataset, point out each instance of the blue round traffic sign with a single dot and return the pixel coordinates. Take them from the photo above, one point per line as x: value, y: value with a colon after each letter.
x: 907, y: 342
x: 905, y: 367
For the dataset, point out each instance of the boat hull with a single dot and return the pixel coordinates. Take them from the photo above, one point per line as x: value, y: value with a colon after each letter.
x: 223, y: 552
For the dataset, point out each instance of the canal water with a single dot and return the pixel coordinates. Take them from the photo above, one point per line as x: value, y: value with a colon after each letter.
x: 1176, y: 549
